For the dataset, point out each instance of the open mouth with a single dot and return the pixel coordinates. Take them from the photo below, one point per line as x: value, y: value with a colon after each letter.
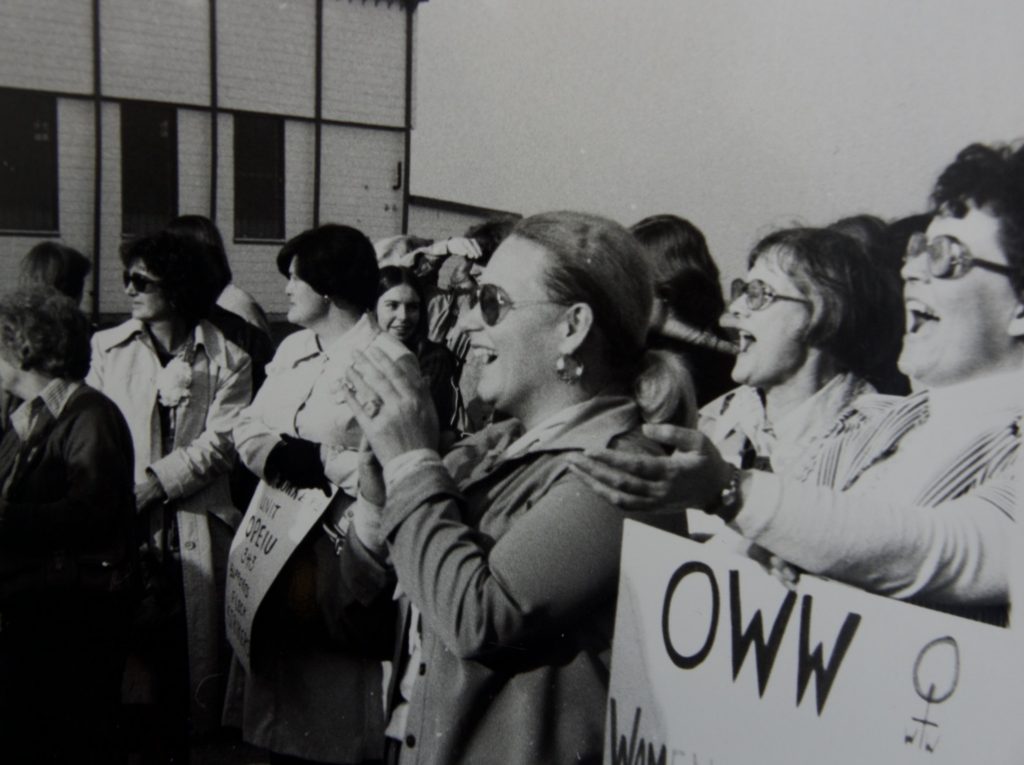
x: 481, y: 356
x: 918, y: 315
x: 744, y: 340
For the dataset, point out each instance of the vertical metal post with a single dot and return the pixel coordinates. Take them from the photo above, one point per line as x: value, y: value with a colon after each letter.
x: 214, y: 114
x: 97, y: 205
x: 318, y: 110
x: 410, y: 9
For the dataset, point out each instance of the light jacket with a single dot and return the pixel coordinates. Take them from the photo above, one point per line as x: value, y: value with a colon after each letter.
x: 193, y: 474
x: 513, y: 564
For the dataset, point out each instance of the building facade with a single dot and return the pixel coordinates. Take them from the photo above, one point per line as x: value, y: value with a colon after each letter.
x: 268, y: 116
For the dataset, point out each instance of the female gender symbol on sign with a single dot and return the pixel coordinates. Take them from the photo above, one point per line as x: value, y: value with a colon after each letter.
x: 937, y: 666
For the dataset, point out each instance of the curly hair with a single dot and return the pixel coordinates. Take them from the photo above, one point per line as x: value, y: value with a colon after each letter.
x: 182, y: 264
x: 989, y: 177
x: 204, y: 230
x: 860, y: 316
x: 337, y: 261
x: 43, y: 330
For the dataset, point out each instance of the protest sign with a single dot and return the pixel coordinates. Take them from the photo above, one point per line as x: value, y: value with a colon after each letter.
x: 273, y: 526
x: 715, y: 661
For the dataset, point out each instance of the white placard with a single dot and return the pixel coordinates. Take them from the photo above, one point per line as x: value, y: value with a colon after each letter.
x: 273, y: 526
x: 714, y: 661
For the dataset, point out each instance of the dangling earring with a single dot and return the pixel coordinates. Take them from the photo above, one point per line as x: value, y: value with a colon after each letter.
x: 568, y: 369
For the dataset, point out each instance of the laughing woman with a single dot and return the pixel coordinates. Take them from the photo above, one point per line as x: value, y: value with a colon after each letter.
x: 401, y: 312
x: 509, y: 562
x: 807, y: 316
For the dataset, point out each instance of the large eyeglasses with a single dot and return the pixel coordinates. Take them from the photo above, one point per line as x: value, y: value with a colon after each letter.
x: 760, y: 295
x: 495, y: 303
x: 948, y: 258
x: 142, y: 284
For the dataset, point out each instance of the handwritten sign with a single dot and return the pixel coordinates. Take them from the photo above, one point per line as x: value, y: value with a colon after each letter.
x: 273, y: 526
x: 714, y: 661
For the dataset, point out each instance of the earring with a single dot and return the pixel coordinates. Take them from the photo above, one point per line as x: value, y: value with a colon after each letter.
x: 568, y: 369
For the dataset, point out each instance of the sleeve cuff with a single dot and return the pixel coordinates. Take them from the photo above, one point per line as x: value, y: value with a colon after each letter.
x: 762, y: 495
x: 407, y: 463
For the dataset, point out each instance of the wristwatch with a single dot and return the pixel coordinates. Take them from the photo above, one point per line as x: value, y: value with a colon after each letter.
x: 730, y: 500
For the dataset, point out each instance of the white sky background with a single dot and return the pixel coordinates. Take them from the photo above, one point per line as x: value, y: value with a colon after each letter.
x: 742, y: 116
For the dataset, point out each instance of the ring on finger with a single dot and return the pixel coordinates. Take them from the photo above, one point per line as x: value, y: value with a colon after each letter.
x: 372, y: 407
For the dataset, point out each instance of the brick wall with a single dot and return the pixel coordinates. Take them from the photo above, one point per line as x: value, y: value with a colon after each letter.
x: 156, y: 50
x: 194, y: 162
x: 364, y: 62
x: 267, y: 55
x: 75, y: 186
x: 112, y: 297
x: 359, y: 170
x: 46, y: 45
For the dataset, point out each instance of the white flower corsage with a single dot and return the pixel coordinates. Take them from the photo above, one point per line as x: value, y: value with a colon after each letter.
x: 174, y: 381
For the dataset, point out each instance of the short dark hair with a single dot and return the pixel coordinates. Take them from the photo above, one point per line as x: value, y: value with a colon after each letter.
x: 989, y: 177
x: 183, y: 266
x: 56, y: 265
x: 337, y: 261
x: 685, y: 275
x: 42, y: 329
x: 395, y: 276
x: 204, y: 230
x: 858, y: 319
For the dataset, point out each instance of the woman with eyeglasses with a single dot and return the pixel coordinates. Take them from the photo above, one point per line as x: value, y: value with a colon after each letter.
x: 912, y: 497
x: 509, y: 562
x: 180, y: 384
x: 810, y: 321
x: 313, y: 692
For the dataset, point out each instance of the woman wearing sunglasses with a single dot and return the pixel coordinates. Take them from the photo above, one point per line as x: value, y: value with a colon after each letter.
x: 180, y: 385
x: 509, y: 562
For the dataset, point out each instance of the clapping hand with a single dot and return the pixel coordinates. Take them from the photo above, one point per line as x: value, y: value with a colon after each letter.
x: 392, y: 403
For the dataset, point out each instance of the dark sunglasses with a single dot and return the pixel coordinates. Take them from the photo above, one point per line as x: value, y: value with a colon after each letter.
x: 141, y: 284
x: 495, y: 303
x: 948, y: 258
x: 759, y: 295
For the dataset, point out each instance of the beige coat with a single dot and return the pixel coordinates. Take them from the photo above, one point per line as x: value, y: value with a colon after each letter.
x: 194, y: 475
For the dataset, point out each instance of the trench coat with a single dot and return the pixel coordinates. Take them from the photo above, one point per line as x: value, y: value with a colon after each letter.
x: 194, y: 475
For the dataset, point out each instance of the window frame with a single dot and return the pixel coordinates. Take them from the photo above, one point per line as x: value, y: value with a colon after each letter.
x: 9, y: 98
x: 246, y: 175
x: 129, y: 136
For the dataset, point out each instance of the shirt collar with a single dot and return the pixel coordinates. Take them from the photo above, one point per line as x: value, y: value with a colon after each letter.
x: 129, y: 330
x: 978, y: 397
x: 54, y: 397
x: 590, y: 424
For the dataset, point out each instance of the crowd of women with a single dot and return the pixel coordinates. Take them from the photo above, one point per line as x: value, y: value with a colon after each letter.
x: 470, y: 421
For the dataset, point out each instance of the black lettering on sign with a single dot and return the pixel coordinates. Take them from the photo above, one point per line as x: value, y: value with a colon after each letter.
x: 809, y: 662
x: 636, y: 750
x: 764, y: 653
x: 693, y: 660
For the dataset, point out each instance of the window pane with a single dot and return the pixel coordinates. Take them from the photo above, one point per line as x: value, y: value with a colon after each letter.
x: 28, y: 161
x: 149, y: 167
x: 259, y: 177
